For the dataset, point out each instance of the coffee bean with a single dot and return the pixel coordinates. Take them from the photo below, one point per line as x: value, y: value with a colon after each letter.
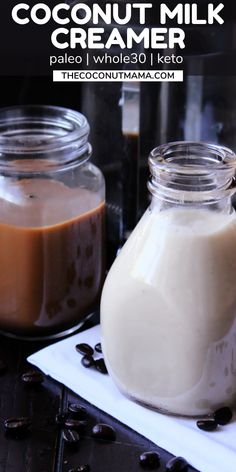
x: 98, y: 348
x: 3, y: 367
x: 61, y: 419
x: 150, y: 460
x: 75, y: 425
x: 33, y: 377
x: 81, y: 468
x: 103, y: 432
x: 207, y: 425
x: 87, y: 361
x: 101, y: 366
x: 77, y: 411
x: 17, y: 425
x: 223, y: 415
x: 177, y: 464
x: 84, y: 349
x: 71, y: 437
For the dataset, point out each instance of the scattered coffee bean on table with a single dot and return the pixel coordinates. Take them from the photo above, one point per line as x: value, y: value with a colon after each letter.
x: 177, y: 464
x: 84, y: 349
x: 77, y: 411
x: 150, y: 460
x: 81, y: 468
x: 101, y: 366
x: 3, y: 367
x: 103, y: 432
x: 87, y: 361
x: 33, y: 377
x: 222, y: 416
x: 98, y: 348
x: 207, y: 425
x: 17, y: 425
x: 75, y: 425
x: 71, y: 437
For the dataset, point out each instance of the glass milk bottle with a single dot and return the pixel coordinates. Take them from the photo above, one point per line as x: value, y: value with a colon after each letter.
x: 168, y: 308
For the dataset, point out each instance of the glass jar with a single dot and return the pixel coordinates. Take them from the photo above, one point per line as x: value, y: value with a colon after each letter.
x: 168, y: 308
x: 51, y: 222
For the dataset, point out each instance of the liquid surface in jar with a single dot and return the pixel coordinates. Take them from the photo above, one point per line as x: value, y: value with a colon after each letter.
x: 51, y: 255
x: 168, y: 311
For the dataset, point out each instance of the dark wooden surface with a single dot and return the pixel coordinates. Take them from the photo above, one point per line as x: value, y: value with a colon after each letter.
x: 43, y: 449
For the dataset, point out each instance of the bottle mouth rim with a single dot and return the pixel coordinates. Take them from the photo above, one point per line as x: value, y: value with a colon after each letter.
x: 36, y: 137
x: 192, y: 157
x: 188, y: 171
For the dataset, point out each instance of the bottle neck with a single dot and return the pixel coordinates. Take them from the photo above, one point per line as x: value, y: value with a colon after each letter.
x: 223, y: 206
x: 192, y: 175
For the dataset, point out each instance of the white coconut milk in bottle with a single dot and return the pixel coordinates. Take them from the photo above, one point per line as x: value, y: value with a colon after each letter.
x: 168, y: 309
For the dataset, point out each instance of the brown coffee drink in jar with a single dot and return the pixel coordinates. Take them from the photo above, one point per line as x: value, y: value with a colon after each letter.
x: 51, y: 239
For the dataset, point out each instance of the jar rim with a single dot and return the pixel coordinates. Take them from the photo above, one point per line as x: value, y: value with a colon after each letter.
x: 42, y: 136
